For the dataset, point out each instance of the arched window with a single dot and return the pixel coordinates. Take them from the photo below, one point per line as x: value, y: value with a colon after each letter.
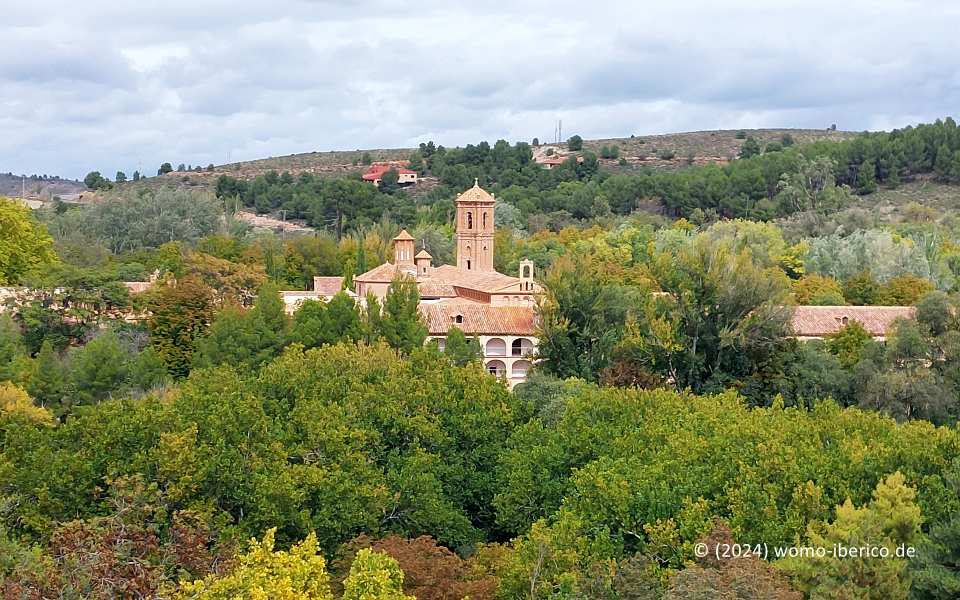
x: 458, y: 319
x: 520, y: 368
x: 521, y: 347
x: 496, y: 367
x: 484, y: 220
x: 469, y: 220
x: 496, y: 347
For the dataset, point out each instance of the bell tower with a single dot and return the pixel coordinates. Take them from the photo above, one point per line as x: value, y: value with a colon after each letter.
x: 475, y: 229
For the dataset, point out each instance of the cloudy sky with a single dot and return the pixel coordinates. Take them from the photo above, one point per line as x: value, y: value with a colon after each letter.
x: 121, y: 84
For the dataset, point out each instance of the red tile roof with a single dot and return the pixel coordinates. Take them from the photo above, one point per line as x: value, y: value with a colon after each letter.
x: 376, y: 171
x: 384, y: 273
x: 818, y: 321
x: 327, y: 286
x: 478, y: 318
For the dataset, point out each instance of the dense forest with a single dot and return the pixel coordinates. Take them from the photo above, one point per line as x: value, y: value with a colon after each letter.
x: 195, y: 441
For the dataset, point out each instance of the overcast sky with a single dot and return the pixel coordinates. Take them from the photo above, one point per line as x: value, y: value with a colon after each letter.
x: 121, y: 84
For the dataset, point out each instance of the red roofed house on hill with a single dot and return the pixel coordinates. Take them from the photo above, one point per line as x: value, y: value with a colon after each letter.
x: 497, y: 309
x: 404, y: 175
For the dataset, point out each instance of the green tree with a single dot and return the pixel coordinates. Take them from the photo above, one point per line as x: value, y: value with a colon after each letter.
x: 96, y: 370
x: 892, y: 518
x: 861, y: 290
x: 388, y: 181
x: 722, y: 319
x: 817, y: 290
x: 25, y: 244
x: 460, y: 349
x: 344, y: 318
x: 575, y: 143
x: 750, y: 148
x: 48, y: 382
x: 935, y: 311
x: 849, y: 343
x: 936, y: 569
x: 165, y: 168
x: 179, y: 316
x: 401, y: 326
x: 311, y: 325
x: 374, y: 576
x: 904, y: 290
x: 95, y: 181
x: 121, y: 177
x: 249, y: 338
x: 13, y: 352
x: 581, y: 319
x: 867, y: 177
x: 147, y: 371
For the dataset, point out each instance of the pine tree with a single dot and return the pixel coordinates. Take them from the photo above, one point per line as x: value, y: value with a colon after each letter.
x: 401, y: 326
x: 48, y: 383
x: 148, y: 371
x: 343, y: 318
x: 311, y: 325
x: 96, y: 370
x: 867, y: 177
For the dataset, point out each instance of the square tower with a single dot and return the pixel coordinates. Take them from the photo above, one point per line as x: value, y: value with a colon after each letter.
x: 475, y: 229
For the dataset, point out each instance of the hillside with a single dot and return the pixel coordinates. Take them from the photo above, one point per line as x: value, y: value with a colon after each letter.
x: 37, y: 187
x: 697, y: 147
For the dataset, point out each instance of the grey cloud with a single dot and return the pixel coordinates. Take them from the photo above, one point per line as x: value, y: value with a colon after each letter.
x: 122, y: 84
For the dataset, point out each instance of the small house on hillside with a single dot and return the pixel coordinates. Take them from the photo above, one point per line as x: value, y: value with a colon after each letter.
x: 404, y: 175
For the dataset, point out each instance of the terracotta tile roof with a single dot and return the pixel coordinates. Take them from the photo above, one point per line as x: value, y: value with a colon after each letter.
x: 478, y: 318
x: 818, y: 321
x: 429, y: 288
x: 423, y: 254
x: 485, y: 281
x: 327, y: 286
x: 403, y: 235
x: 384, y: 273
x: 376, y: 171
x: 475, y: 194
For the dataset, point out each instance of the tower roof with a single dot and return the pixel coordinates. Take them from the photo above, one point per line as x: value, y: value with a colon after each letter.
x: 475, y: 194
x: 403, y: 235
x: 423, y: 254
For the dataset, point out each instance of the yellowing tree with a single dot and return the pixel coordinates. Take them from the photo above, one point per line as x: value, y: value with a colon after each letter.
x: 16, y: 404
x: 374, y: 576
x: 24, y: 244
x: 265, y: 574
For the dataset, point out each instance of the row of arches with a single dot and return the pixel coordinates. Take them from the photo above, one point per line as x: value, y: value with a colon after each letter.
x: 518, y: 369
x: 519, y: 347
